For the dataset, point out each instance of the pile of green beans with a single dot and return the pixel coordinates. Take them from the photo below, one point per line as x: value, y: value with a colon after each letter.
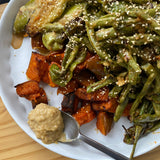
x: 125, y: 35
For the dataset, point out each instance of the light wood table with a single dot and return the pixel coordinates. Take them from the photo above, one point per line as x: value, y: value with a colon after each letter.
x: 15, y: 144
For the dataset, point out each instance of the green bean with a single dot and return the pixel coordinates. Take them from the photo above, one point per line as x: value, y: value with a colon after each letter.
x: 151, y: 109
x: 129, y: 135
x: 148, y: 68
x: 133, y: 67
x: 72, y: 47
x: 158, y: 64
x: 132, y: 76
x: 142, y: 93
x: 127, y: 57
x: 156, y: 107
x: 124, y: 93
x: 120, y: 108
x: 155, y: 127
x: 124, y: 30
x: 80, y: 58
x: 70, y: 59
x: 144, y: 107
x: 123, y: 100
x: 103, y: 22
x: 115, y: 91
x: 138, y: 131
x: 129, y: 21
x: 107, y: 80
x: 104, y: 34
x: 157, y: 80
x: 101, y: 53
x: 57, y: 46
x: 147, y: 118
x: 137, y: 39
x: 72, y: 12
x: 132, y: 95
x: 154, y: 98
x: 88, y: 44
x: 114, y: 7
x: 120, y: 62
x: 55, y: 73
x: 77, y: 61
x: 133, y: 11
x: 56, y: 27
x: 154, y: 26
x: 53, y: 41
x: 138, y: 1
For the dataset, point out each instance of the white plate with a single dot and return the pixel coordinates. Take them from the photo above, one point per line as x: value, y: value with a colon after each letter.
x: 13, y: 64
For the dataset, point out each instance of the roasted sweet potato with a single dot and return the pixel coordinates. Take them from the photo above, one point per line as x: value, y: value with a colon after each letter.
x: 38, y: 68
x: 68, y: 103
x: 55, y: 57
x: 98, y: 95
x: 40, y: 99
x: 37, y: 44
x: 27, y: 88
x: 70, y: 87
x: 85, y: 78
x: 84, y: 114
x: 126, y: 111
x: 82, y: 65
x: 94, y: 65
x: 76, y: 104
x: 31, y: 91
x: 104, y: 122
x: 105, y: 106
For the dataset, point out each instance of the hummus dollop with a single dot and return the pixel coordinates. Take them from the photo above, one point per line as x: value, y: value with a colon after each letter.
x: 47, y: 123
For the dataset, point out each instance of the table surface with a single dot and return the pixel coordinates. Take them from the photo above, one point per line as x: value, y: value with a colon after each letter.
x: 15, y: 144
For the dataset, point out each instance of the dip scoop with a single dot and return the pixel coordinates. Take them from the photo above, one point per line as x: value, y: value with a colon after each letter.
x: 72, y: 131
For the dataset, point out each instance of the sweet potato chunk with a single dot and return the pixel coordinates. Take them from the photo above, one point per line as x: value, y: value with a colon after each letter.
x: 40, y: 99
x: 38, y: 68
x: 70, y: 87
x: 98, y: 95
x: 76, y: 104
x: 27, y: 89
x: 84, y: 114
x: 55, y: 57
x: 84, y: 78
x: 31, y: 91
x: 82, y: 65
x: 37, y: 44
x: 125, y: 112
x: 104, y: 106
x: 94, y: 65
x: 68, y: 103
x: 104, y: 122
